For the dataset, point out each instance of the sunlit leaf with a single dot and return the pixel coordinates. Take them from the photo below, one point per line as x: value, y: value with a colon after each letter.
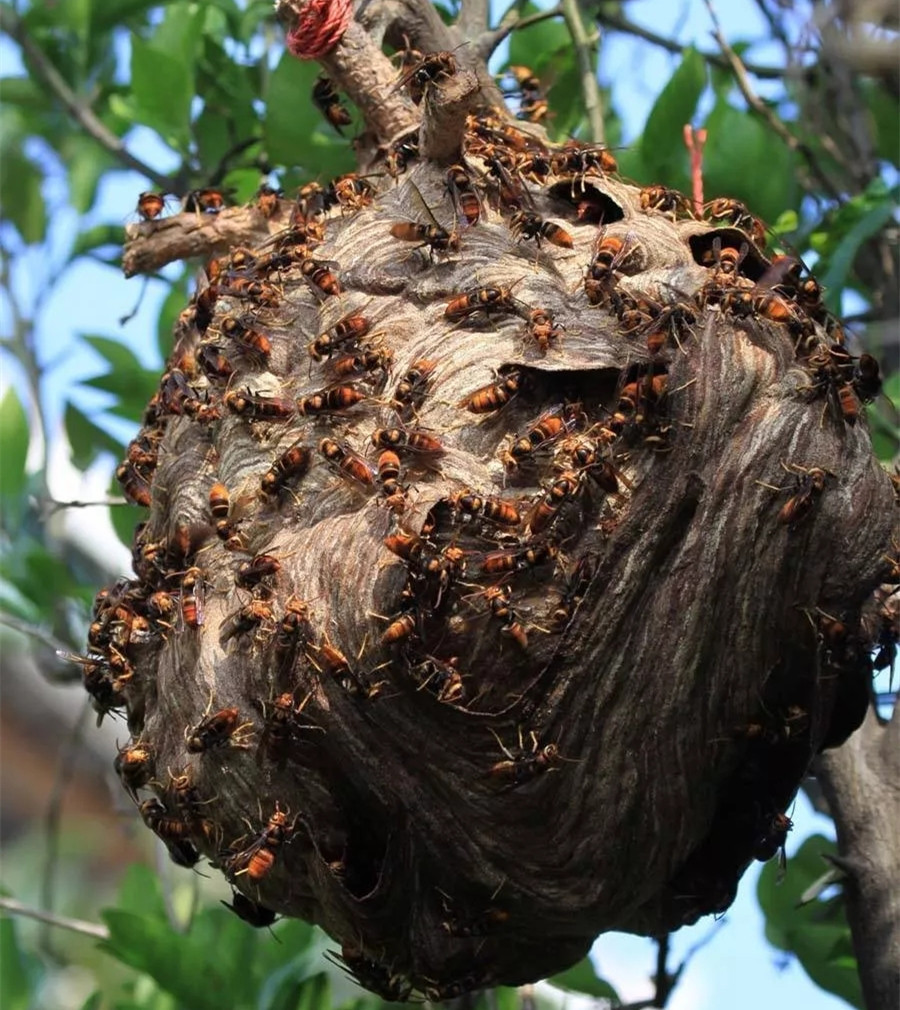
x: 835, y: 279
x: 98, y: 237
x: 291, y: 117
x: 86, y: 161
x: 14, y: 969
x: 15, y: 435
x: 662, y: 144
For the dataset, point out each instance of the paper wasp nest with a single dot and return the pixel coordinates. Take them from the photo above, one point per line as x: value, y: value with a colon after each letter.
x: 509, y: 531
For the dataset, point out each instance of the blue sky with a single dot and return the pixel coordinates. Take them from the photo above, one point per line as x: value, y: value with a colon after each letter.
x: 737, y: 969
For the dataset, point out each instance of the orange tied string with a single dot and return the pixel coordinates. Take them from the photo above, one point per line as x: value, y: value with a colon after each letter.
x: 320, y: 25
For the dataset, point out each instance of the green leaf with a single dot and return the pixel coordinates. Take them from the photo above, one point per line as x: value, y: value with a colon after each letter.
x: 582, y: 978
x: 662, y: 144
x: 814, y: 930
x: 17, y: 989
x: 87, y: 439
x: 15, y: 434
x: 745, y: 160
x: 150, y: 945
x: 21, y: 199
x: 841, y: 262
x: 537, y: 45
x: 291, y: 118
x: 140, y: 892
x: 119, y: 355
x: 883, y: 112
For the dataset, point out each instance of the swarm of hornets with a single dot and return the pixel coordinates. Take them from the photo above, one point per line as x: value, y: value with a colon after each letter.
x: 294, y: 398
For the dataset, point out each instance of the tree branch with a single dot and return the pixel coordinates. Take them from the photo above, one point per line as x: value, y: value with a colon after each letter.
x: 44, y: 70
x: 861, y: 781
x: 585, y: 47
x: 473, y: 17
x: 615, y: 21
x: 742, y: 80
x: 511, y: 21
x: 75, y: 925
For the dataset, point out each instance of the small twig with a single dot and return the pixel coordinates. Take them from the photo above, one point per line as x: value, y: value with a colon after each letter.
x: 33, y: 631
x: 93, y: 929
x: 444, y: 124
x: 46, y: 72
x: 618, y: 23
x: 694, y: 141
x: 760, y: 108
x: 511, y: 21
x: 585, y: 48
x: 53, y: 506
x: 65, y: 769
x: 662, y: 980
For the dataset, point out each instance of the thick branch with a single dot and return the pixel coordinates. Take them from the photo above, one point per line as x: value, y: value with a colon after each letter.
x: 861, y: 781
x: 446, y: 109
x: 78, y: 110
x: 473, y: 17
x: 150, y: 245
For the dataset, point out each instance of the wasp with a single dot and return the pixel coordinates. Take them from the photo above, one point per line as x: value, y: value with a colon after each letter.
x: 216, y: 730
x: 162, y: 607
x: 611, y: 254
x: 541, y: 328
x: 432, y: 236
x: 326, y: 100
x: 374, y: 976
x: 576, y: 586
x: 366, y: 362
x: 563, y: 489
x: 171, y: 829
x: 463, y: 194
x: 253, y: 343
x: 192, y: 597
x: 867, y: 378
x: 735, y: 213
x: 135, y: 485
x: 294, y: 629
x: 337, y: 399
x: 350, y: 328
x: 408, y: 546
x: 219, y: 501
x: 440, y: 677
x: 204, y: 201
x: 134, y: 766
x: 399, y: 630
x: 257, y: 407
x: 430, y: 69
x: 525, y: 224
x: 550, y: 426
x: 388, y: 466
x: 810, y: 484
x: 258, y: 859
x: 349, y: 464
x: 493, y: 396
x: 495, y: 510
x: 352, y: 191
x: 250, y: 574
x: 533, y: 106
x: 582, y: 160
x: 772, y: 836
x: 255, y: 915
x: 414, y: 441
x: 499, y: 600
x: 214, y: 363
x: 518, y: 560
x: 401, y: 152
x: 247, y: 618
x: 319, y: 274
x: 411, y: 389
x: 523, y: 766
x: 336, y: 665
x: 290, y: 466
x: 667, y: 201
x: 586, y: 457
x: 151, y: 205
x: 487, y: 300
x: 266, y: 200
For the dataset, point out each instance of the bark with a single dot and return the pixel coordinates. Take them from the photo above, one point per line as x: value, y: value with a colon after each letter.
x: 861, y: 781
x: 631, y: 712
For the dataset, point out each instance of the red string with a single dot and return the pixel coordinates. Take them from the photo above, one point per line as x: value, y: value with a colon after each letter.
x: 320, y: 25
